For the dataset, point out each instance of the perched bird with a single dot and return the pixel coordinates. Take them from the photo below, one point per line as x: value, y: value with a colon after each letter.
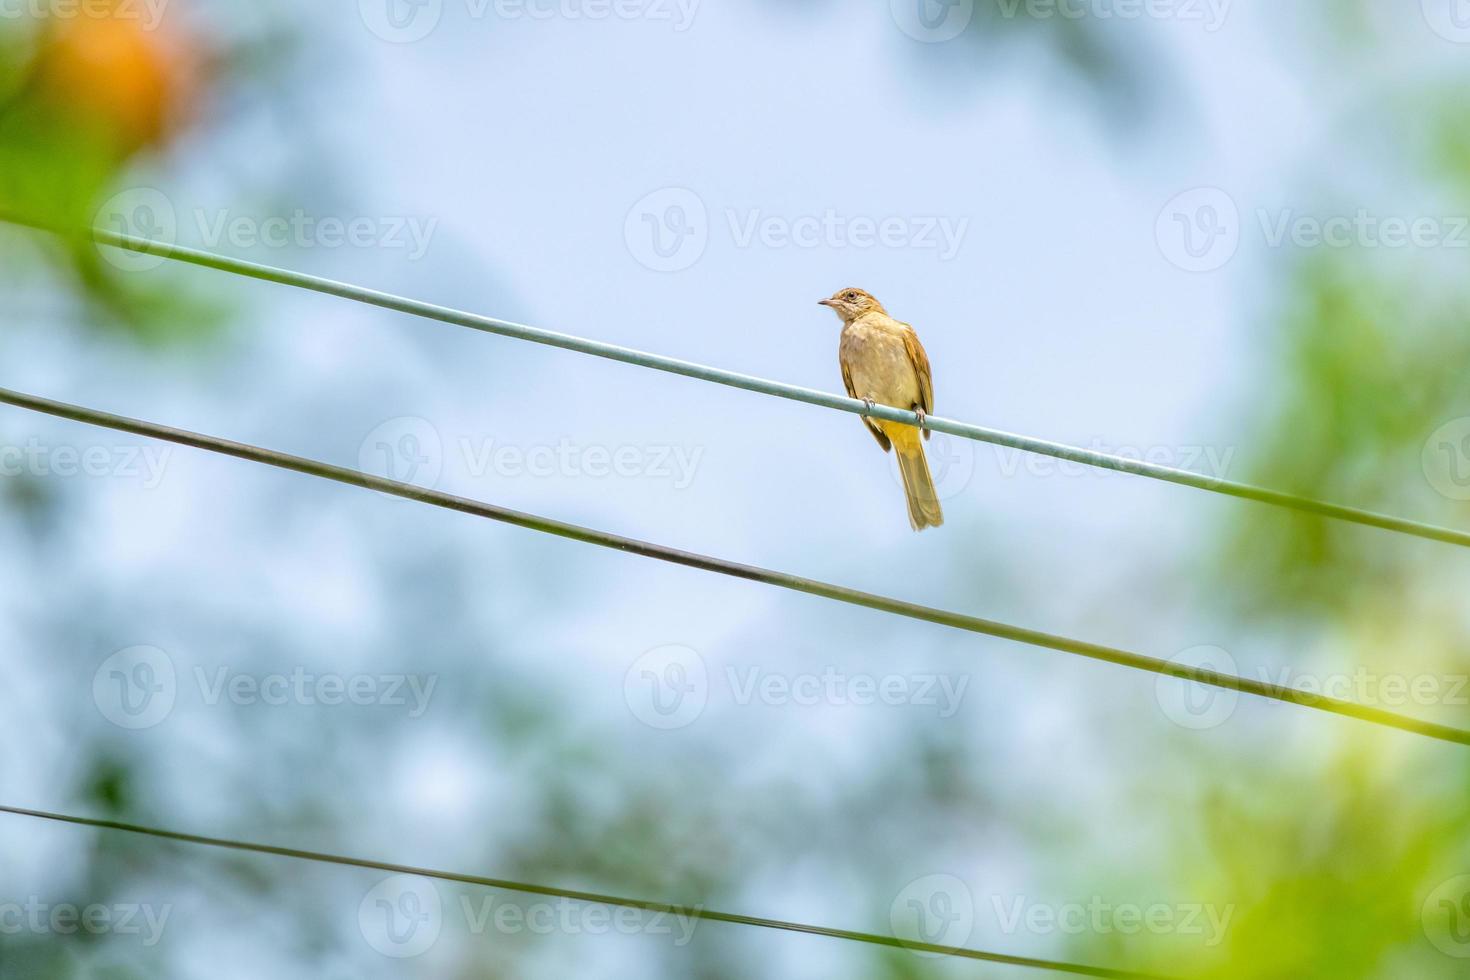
x: 884, y: 363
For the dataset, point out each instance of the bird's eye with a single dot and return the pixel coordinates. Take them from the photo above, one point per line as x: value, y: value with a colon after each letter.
x: 851, y: 297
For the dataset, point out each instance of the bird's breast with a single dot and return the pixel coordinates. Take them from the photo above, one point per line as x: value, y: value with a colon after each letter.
x: 879, y: 365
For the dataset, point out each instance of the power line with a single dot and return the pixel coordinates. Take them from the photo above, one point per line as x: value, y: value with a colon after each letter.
x: 973, y: 624
x: 689, y: 911
x: 689, y: 369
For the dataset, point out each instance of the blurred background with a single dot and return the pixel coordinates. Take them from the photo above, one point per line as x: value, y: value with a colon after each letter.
x: 1225, y: 236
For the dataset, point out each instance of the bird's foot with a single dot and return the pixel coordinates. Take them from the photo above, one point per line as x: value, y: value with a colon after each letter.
x: 869, y: 403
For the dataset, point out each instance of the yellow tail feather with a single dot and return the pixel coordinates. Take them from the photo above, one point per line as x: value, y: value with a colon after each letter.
x: 918, y: 484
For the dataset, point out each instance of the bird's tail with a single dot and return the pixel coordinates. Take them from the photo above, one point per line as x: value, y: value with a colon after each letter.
x: 918, y: 484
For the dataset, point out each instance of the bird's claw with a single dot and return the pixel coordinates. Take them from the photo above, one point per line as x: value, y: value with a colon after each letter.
x: 869, y: 404
x: 923, y: 417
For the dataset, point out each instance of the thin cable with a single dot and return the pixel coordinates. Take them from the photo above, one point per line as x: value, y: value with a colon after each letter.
x: 687, y: 911
x: 752, y: 573
x: 689, y: 369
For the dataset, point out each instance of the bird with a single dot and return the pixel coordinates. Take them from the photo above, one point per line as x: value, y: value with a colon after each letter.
x: 884, y: 363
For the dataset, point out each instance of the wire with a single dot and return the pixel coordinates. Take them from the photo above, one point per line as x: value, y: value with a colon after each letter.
x: 686, y: 911
x: 689, y: 369
x: 752, y: 573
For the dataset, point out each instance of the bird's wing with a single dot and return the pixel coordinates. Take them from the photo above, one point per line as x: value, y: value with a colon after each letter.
x: 920, y: 361
x: 852, y: 393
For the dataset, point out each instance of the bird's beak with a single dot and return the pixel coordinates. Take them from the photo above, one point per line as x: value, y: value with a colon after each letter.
x: 825, y: 302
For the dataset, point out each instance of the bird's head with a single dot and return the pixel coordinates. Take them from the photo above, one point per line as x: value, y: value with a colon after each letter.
x: 851, y: 303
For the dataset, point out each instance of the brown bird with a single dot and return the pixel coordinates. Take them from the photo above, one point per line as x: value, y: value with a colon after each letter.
x: 884, y: 363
